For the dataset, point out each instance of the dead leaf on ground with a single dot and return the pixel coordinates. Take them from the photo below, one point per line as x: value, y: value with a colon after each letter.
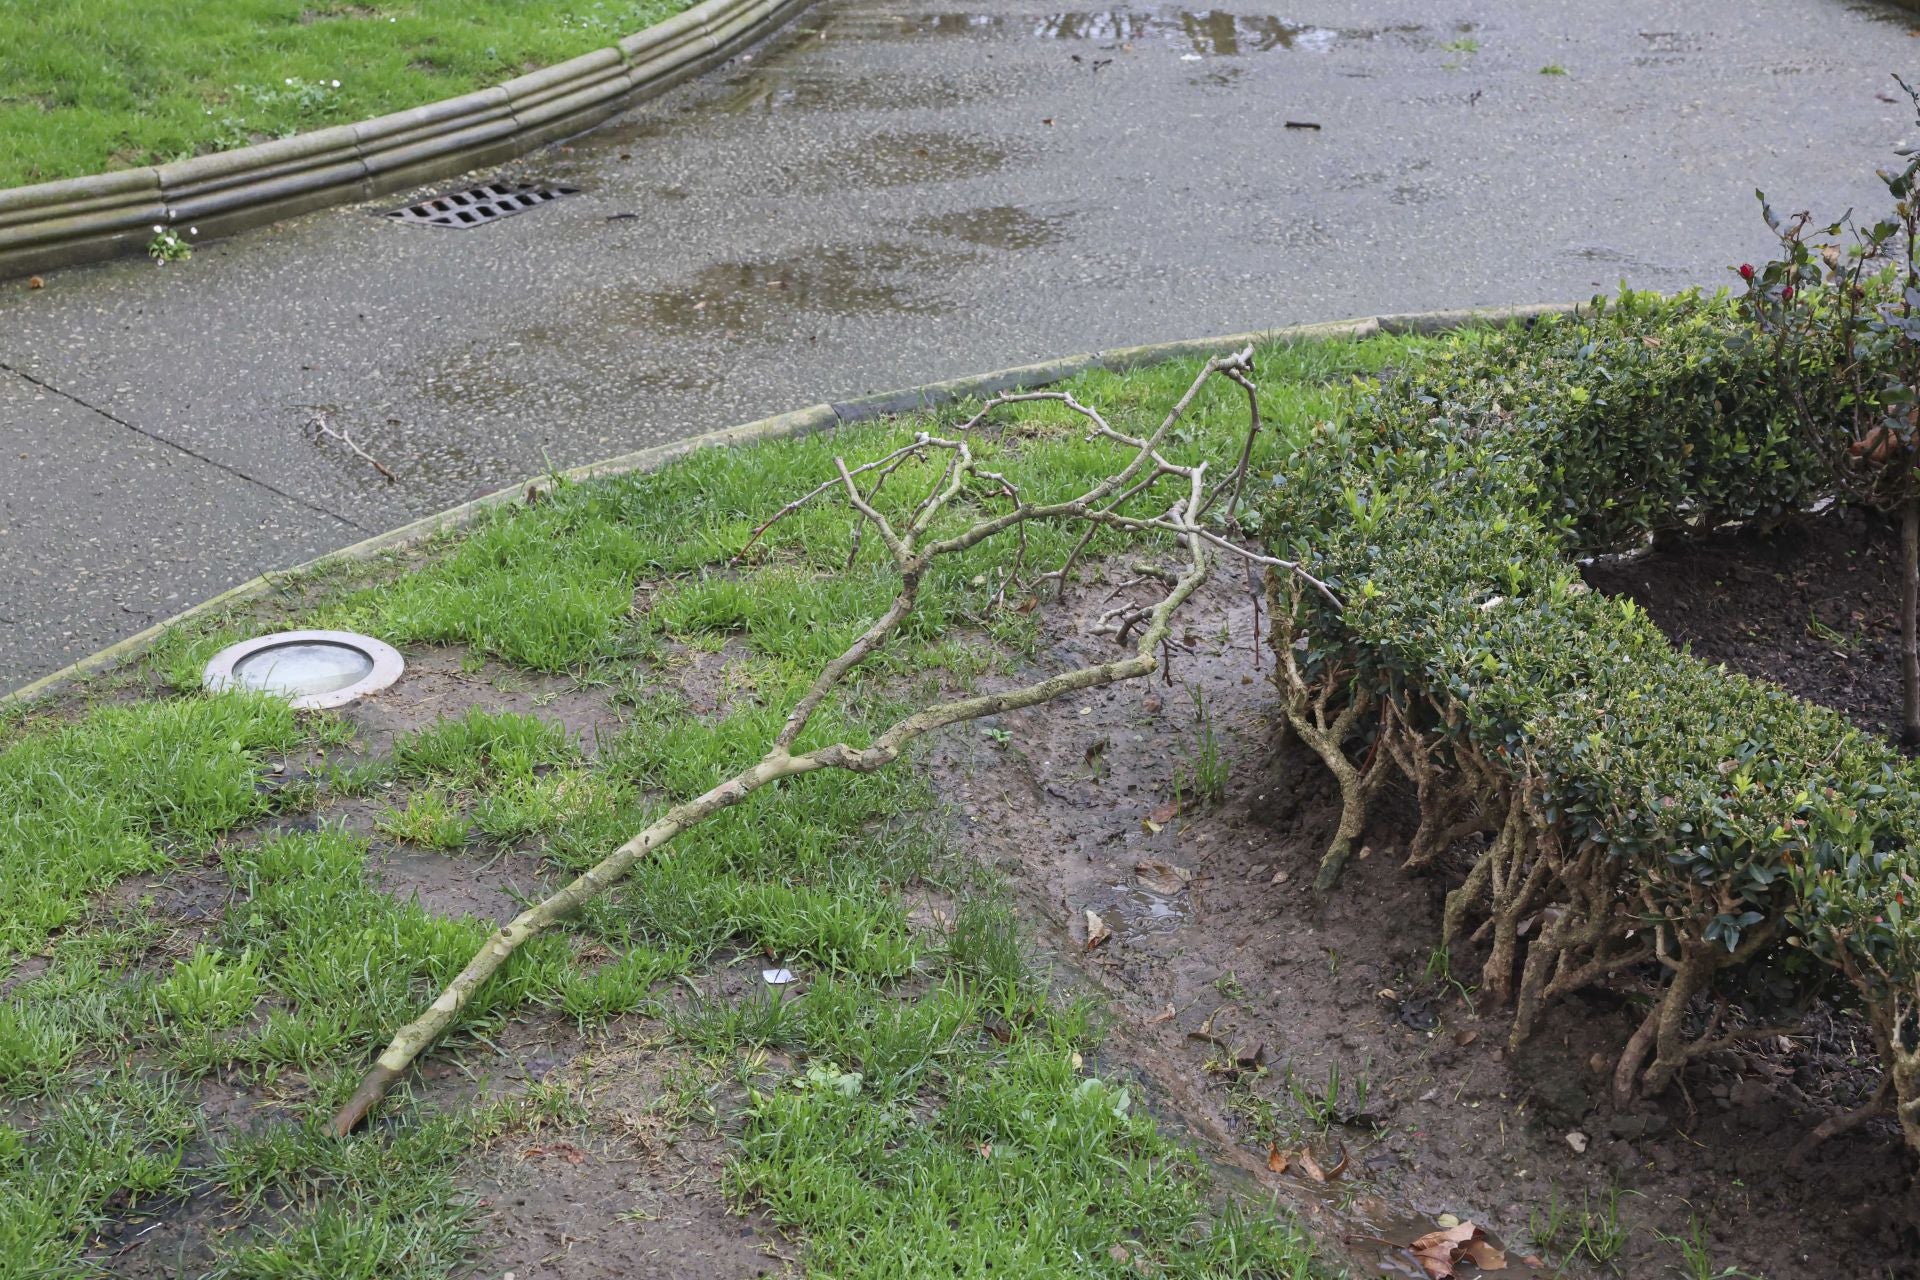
x: 1160, y: 877
x: 1311, y: 1167
x: 1097, y: 929
x: 1164, y: 813
x: 565, y: 1150
x: 1165, y: 1015
x: 1277, y: 1160
x: 1440, y: 1251
x: 1465, y: 1038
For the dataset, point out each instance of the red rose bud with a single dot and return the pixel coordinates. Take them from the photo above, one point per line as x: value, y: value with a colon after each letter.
x: 1786, y: 294
x: 1746, y: 271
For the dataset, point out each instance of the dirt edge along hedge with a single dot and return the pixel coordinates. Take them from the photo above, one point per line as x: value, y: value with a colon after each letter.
x: 1637, y: 811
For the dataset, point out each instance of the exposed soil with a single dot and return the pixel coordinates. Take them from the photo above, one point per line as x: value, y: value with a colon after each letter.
x: 1247, y: 959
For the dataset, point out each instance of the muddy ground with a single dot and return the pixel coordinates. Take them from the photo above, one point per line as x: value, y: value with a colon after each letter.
x: 1246, y: 956
x: 1227, y: 979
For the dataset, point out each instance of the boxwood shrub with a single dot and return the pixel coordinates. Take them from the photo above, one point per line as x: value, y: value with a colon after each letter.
x: 1606, y: 806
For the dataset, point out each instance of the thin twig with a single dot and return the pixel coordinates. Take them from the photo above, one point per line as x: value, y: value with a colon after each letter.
x: 318, y: 425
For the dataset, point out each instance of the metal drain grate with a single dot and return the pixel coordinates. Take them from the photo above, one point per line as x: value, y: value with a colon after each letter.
x: 480, y: 205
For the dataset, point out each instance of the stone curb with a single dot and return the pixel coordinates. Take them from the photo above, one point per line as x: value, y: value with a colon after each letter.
x: 792, y: 426
x: 60, y: 224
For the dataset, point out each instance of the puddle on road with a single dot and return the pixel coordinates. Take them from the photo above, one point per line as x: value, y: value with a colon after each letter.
x: 900, y: 159
x: 998, y: 227
x: 796, y: 88
x: 756, y: 295
x: 1204, y: 31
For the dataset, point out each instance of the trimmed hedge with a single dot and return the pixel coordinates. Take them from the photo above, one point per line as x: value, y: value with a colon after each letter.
x: 1643, y: 809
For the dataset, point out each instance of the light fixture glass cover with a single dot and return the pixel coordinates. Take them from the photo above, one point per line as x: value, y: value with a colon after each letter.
x: 311, y: 669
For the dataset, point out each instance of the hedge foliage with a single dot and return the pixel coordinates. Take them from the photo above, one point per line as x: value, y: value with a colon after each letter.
x: 1645, y: 810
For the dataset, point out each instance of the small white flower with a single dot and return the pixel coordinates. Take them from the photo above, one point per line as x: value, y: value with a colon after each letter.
x: 158, y: 229
x: 193, y: 231
x: 289, y: 79
x: 336, y: 84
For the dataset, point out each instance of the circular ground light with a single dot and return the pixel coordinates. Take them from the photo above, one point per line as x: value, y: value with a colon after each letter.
x: 311, y: 669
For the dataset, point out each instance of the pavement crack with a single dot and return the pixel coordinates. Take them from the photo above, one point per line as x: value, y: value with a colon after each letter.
x: 180, y: 448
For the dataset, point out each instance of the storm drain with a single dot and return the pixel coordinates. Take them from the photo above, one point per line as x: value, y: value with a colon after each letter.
x: 480, y: 205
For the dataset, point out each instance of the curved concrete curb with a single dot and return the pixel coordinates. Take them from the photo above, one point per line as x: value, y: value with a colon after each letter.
x: 57, y: 224
x: 792, y: 425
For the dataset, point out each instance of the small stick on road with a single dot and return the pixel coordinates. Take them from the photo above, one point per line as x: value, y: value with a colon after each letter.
x: 322, y: 431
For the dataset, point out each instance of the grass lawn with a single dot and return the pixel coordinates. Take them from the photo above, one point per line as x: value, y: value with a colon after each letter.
x: 199, y: 952
x: 91, y: 85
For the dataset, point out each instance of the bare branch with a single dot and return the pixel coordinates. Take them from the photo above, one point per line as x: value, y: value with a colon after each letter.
x: 913, y: 554
x: 323, y: 431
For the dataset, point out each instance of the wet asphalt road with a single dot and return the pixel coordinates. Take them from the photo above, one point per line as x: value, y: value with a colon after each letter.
x: 890, y: 193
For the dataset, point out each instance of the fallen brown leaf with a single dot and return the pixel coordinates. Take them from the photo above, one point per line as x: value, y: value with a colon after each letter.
x: 1439, y: 1251
x: 1483, y: 1255
x: 1277, y: 1160
x: 36, y: 283
x: 1097, y: 929
x: 1311, y: 1167
x: 1465, y: 1038
x: 1160, y: 877
x: 565, y: 1150
x: 1164, y: 813
x: 1165, y: 1015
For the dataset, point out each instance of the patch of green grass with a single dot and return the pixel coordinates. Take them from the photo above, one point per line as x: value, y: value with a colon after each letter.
x: 1326, y: 1104
x: 621, y: 985
x: 482, y: 746
x: 37, y: 1045
x: 1465, y: 44
x: 1027, y: 1167
x: 371, y: 1207
x: 1587, y: 1233
x: 119, y: 1143
x: 1553, y: 69
x: 1203, y: 772
x: 541, y: 806
x: 210, y: 989
x: 98, y: 84
x: 118, y: 792
x: 347, y: 963
x: 432, y: 819
x: 1696, y: 1256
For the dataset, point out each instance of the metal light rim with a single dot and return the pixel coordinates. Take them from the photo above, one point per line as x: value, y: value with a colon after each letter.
x: 387, y: 666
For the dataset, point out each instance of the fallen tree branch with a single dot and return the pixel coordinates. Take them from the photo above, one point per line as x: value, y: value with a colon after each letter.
x: 913, y: 550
